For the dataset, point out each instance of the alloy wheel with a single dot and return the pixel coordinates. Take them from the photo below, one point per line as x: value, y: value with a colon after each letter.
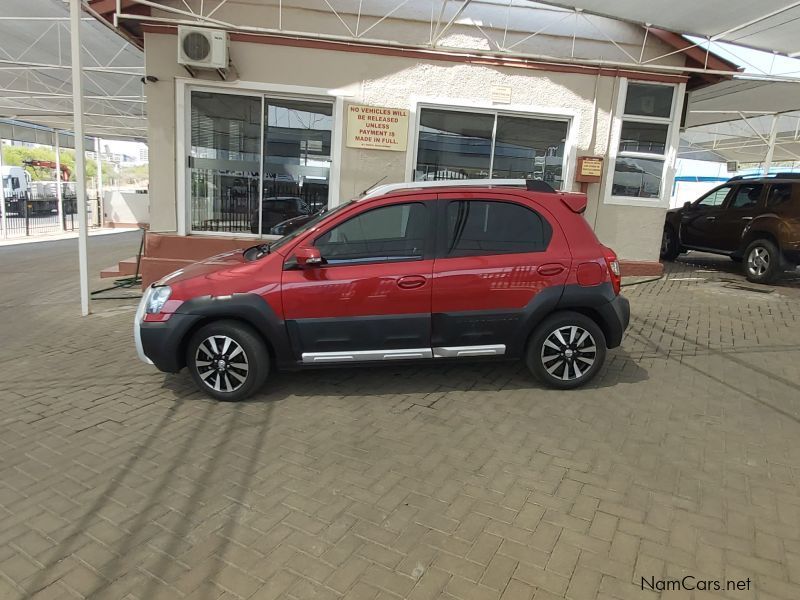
x: 758, y: 261
x: 221, y: 363
x: 569, y: 352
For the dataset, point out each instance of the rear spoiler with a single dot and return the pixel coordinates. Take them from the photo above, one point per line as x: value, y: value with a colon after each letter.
x: 575, y: 202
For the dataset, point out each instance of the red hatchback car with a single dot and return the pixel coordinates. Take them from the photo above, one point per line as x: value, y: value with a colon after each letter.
x: 419, y: 271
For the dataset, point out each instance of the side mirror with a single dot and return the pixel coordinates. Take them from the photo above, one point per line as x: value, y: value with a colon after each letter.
x: 687, y: 205
x: 308, y: 256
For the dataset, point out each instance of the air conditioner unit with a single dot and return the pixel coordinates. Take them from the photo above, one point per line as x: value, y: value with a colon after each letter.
x: 201, y: 48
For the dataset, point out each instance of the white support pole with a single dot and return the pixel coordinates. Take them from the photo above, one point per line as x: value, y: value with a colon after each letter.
x: 59, y: 182
x: 80, y: 157
x: 3, y: 193
x: 97, y: 146
x: 773, y: 135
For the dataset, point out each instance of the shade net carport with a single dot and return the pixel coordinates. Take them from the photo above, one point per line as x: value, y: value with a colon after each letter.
x: 35, y: 77
x: 745, y: 121
x: 64, y: 69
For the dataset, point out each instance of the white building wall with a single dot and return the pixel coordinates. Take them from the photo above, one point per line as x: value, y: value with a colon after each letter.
x: 403, y: 83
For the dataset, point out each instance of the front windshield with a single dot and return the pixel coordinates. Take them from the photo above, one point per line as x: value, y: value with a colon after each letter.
x: 303, y: 228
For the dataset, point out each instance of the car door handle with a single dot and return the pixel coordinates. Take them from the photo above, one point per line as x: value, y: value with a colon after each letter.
x: 551, y: 269
x: 409, y: 282
x: 711, y: 218
x: 747, y: 218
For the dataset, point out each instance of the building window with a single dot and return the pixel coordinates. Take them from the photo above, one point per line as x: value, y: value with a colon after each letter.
x: 455, y: 144
x: 243, y: 147
x: 640, y: 162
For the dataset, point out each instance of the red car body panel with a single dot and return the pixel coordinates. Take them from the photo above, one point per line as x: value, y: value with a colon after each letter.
x: 435, y: 300
x: 498, y: 281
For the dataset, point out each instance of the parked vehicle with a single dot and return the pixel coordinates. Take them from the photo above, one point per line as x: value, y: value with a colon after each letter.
x: 277, y: 209
x: 418, y: 271
x: 16, y: 188
x: 755, y: 221
x: 289, y: 225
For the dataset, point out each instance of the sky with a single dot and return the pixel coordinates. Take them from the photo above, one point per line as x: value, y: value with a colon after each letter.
x: 124, y: 147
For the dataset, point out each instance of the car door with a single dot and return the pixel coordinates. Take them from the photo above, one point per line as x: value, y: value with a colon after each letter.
x: 371, y: 297
x: 742, y: 206
x: 698, y: 224
x: 494, y: 255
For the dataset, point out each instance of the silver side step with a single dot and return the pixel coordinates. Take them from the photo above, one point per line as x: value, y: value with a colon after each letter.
x: 367, y: 355
x: 404, y: 354
x: 462, y: 351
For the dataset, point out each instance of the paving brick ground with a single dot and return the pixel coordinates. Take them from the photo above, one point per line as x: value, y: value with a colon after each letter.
x: 400, y: 482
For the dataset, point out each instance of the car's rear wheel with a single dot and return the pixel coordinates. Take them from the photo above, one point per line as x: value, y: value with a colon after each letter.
x: 762, y: 261
x: 566, y: 350
x: 670, y: 246
x: 227, y: 360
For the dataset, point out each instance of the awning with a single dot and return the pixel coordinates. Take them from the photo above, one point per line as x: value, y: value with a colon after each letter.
x: 35, y: 77
x: 737, y: 120
x: 767, y: 24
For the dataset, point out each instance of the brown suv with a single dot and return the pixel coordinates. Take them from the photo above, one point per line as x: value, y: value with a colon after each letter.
x: 753, y: 220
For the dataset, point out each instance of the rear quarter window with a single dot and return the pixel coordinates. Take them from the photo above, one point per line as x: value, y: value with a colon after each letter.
x: 782, y: 195
x: 480, y: 227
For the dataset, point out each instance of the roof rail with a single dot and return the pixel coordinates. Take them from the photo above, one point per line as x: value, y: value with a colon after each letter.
x: 533, y: 185
x: 779, y: 175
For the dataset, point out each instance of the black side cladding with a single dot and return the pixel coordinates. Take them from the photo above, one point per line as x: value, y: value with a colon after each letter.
x: 163, y: 342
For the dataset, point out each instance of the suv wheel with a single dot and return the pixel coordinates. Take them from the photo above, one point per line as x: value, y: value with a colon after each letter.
x: 227, y: 360
x: 566, y: 350
x: 670, y: 248
x: 762, y: 261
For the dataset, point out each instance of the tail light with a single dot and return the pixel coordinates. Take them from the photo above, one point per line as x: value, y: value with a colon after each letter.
x: 613, y: 270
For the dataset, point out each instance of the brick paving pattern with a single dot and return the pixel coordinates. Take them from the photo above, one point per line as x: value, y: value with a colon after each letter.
x: 452, y: 482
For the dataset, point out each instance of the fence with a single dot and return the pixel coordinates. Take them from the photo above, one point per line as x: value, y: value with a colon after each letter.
x: 36, y: 212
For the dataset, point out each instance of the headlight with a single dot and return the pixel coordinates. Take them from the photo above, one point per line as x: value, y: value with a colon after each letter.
x: 158, y: 296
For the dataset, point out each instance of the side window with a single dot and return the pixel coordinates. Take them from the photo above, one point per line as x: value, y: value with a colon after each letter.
x: 715, y: 198
x: 389, y: 233
x: 747, y: 195
x: 476, y: 227
x: 780, y: 194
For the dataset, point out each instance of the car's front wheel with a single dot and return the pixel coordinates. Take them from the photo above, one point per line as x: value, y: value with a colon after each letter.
x: 762, y: 261
x: 566, y: 350
x: 227, y: 360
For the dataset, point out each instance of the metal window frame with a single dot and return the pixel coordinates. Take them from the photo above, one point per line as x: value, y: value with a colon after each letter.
x: 668, y: 157
x: 183, y: 89
x: 570, y: 117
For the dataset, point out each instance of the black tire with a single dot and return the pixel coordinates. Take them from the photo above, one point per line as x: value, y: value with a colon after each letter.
x: 233, y: 379
x: 551, y: 361
x: 762, y: 261
x: 670, y: 246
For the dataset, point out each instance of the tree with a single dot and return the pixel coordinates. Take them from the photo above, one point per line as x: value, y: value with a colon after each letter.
x: 17, y: 155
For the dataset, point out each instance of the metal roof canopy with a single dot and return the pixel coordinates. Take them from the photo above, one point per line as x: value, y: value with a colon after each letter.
x: 35, y: 77
x: 767, y: 24
x: 20, y: 131
x: 741, y: 120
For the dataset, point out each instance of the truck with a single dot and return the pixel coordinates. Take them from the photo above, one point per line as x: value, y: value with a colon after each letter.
x: 25, y: 197
x: 16, y: 188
